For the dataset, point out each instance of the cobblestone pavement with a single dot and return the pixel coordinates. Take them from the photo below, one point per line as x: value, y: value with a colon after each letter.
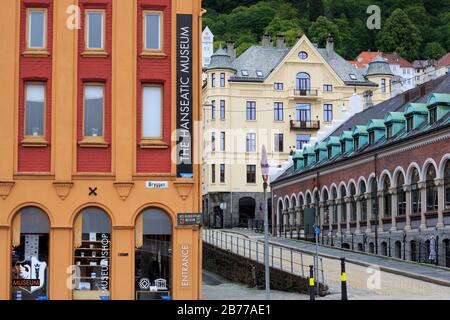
x: 363, y: 283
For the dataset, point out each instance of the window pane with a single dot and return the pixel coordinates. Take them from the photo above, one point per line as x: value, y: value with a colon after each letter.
x: 93, y: 111
x: 151, y: 115
x: 36, y: 29
x: 95, y: 30
x: 152, y: 31
x: 35, y: 105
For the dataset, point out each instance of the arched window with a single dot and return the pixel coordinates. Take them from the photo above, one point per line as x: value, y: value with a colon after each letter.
x: 398, y: 249
x: 384, y: 250
x: 401, y: 195
x: 387, y: 197
x: 413, y: 250
x: 300, y: 203
x: 29, y: 255
x: 92, y: 255
x: 308, y: 199
x: 371, y: 247
x: 343, y: 205
x: 303, y: 83
x: 317, y: 206
x: 447, y: 184
x: 432, y: 195
x: 153, y: 255
x: 326, y: 211
x: 374, y: 198
x: 362, y: 191
x: 352, y: 202
x: 334, y: 197
x: 415, y: 192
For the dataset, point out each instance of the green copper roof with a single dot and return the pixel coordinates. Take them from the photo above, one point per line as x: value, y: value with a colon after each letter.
x: 308, y: 151
x: 358, y: 130
x: 394, y: 117
x: 333, y: 140
x: 442, y: 98
x: 320, y: 146
x: 346, y: 135
x: 298, y: 154
x: 375, y: 124
x: 416, y: 108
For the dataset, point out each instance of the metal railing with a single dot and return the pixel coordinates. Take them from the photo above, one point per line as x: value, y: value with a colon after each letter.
x: 306, y: 92
x: 282, y: 258
x: 308, y: 124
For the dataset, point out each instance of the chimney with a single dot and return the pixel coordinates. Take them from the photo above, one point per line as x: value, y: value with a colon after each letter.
x: 266, y: 41
x: 280, y: 42
x: 330, y: 44
x: 231, y: 50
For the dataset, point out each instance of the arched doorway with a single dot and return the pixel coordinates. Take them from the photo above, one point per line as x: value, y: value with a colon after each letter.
x: 371, y: 247
x: 153, y: 255
x: 398, y: 249
x: 92, y: 255
x: 413, y: 250
x: 447, y: 252
x: 247, y: 207
x: 383, y: 248
x: 346, y: 246
x: 29, y: 255
x: 360, y: 247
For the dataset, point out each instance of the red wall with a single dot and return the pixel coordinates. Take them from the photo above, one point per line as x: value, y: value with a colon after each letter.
x: 92, y: 69
x: 157, y: 71
x: 35, y: 69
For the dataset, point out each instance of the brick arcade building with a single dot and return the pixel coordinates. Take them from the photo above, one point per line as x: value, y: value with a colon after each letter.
x: 92, y: 91
x: 380, y: 183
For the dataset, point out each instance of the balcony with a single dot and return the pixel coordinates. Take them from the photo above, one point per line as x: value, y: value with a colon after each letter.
x: 304, y: 93
x: 305, y: 125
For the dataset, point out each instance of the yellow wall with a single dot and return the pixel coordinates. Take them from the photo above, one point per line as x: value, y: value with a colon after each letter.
x: 47, y: 192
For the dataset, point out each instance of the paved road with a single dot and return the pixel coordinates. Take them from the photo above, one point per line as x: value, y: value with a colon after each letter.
x: 381, y: 281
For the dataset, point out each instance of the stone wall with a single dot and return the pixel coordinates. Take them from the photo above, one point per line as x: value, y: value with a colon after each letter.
x: 239, y: 269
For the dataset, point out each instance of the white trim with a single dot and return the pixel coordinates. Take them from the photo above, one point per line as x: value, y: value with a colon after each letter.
x: 442, y: 163
x: 397, y: 170
x: 425, y: 166
x: 384, y: 173
x: 412, y: 165
x: 358, y: 189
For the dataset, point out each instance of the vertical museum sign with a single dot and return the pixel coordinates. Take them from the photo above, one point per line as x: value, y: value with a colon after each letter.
x: 184, y: 96
x: 185, y: 250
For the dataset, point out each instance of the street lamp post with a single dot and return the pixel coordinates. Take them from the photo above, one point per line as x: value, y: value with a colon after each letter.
x: 265, y: 176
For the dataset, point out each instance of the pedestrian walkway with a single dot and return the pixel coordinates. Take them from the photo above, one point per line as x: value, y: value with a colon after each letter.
x: 428, y: 273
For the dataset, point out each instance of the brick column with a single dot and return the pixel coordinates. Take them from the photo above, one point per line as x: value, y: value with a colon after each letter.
x: 423, y: 201
x: 394, y: 207
x: 441, y: 201
x: 407, y: 189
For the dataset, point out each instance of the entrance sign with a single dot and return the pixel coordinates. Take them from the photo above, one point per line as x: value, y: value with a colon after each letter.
x: 184, y: 96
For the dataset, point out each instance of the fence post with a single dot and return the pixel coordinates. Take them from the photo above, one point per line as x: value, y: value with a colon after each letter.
x: 257, y: 253
x: 321, y: 268
x: 343, y: 280
x: 226, y: 241
x: 311, y: 283
x: 244, y: 247
x: 221, y: 240
x: 301, y: 261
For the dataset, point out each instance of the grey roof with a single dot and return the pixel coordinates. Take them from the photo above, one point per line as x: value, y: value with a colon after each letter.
x: 379, y: 66
x: 258, y: 58
x: 344, y: 69
x: 267, y: 58
x: 221, y: 60
x: 397, y: 103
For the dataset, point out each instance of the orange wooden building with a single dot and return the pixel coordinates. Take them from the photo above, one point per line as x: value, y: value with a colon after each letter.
x: 99, y: 104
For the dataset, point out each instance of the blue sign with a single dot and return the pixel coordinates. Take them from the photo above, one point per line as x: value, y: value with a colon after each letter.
x: 316, y: 230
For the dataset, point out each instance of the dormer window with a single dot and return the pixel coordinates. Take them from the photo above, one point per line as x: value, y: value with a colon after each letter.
x: 389, y: 131
x: 433, y: 115
x: 330, y: 152
x: 371, y: 137
x: 343, y: 147
x: 259, y: 73
x: 356, y: 139
x: 409, y: 124
x: 244, y: 73
x: 352, y: 76
x: 317, y: 156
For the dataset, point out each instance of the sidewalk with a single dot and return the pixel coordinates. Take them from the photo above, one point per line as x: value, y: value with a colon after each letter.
x: 428, y: 273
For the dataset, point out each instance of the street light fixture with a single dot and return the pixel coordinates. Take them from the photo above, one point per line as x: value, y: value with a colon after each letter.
x: 265, y: 176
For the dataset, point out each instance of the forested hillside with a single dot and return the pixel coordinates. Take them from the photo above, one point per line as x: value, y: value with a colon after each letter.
x: 416, y: 29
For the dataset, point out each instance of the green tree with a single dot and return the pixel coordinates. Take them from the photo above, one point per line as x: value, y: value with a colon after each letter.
x: 316, y: 9
x: 399, y: 34
x: 320, y: 29
x: 434, y: 50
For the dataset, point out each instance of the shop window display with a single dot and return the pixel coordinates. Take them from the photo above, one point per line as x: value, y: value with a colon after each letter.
x: 30, y: 247
x: 92, y: 246
x: 153, y: 255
